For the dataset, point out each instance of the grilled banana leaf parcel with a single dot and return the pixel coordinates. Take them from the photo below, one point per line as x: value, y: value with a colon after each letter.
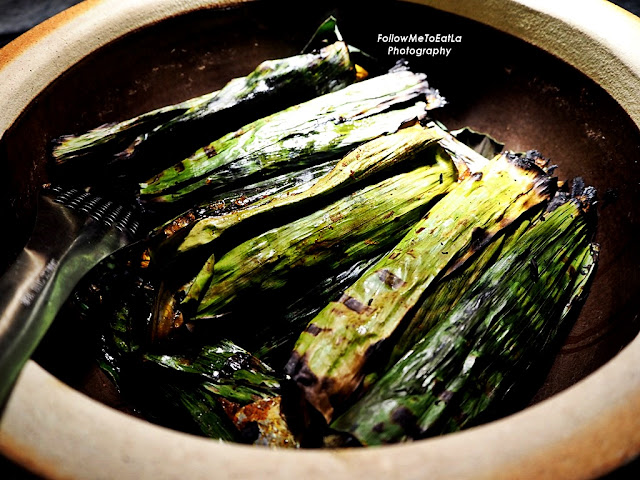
x: 251, y: 196
x: 263, y: 201
x: 272, y: 86
x: 360, y: 164
x: 204, y: 223
x: 354, y: 227
x: 342, y: 232
x: 490, y: 337
x: 300, y: 135
x: 332, y: 355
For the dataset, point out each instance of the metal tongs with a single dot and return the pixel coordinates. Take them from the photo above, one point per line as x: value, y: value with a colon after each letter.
x: 74, y: 231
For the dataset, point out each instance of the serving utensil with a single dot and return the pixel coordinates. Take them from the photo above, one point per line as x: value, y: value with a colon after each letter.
x: 74, y: 230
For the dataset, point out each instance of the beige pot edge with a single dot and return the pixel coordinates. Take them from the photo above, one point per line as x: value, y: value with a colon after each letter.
x: 582, y: 432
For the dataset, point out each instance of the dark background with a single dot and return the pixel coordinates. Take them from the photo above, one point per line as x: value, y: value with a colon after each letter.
x: 631, y: 5
x: 17, y: 16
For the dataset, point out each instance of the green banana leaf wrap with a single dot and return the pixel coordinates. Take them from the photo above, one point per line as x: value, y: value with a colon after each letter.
x: 360, y: 164
x: 361, y: 224
x: 492, y: 334
x: 300, y: 135
x: 277, y: 336
x: 330, y: 358
x: 224, y: 379
x: 265, y: 201
x: 234, y: 200
x: 194, y: 404
x: 272, y: 86
x: 339, y: 233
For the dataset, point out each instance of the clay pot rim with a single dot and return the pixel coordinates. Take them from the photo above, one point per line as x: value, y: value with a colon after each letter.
x: 582, y: 432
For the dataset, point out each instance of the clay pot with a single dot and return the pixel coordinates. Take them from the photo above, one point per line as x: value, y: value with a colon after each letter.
x: 555, y: 76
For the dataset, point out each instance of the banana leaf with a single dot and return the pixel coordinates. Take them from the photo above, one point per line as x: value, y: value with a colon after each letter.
x: 222, y: 364
x: 354, y: 227
x: 262, y: 203
x: 116, y: 298
x: 168, y: 236
x: 491, y: 336
x: 301, y: 135
x: 179, y: 129
x: 198, y: 406
x: 360, y: 164
x: 277, y: 336
x: 332, y: 355
x: 320, y: 240
x: 226, y: 376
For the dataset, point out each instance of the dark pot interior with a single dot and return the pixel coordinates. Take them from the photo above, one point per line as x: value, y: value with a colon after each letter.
x: 493, y: 82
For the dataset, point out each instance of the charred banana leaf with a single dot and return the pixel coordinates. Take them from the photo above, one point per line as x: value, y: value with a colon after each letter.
x: 488, y: 340
x: 360, y: 164
x: 470, y: 152
x: 300, y: 135
x: 277, y: 337
x: 502, y: 389
x: 272, y: 86
x: 331, y: 356
x: 201, y: 407
x: 348, y: 230
x: 443, y: 296
x: 372, y: 218
x: 203, y: 224
x: 452, y: 287
x: 235, y: 200
x: 355, y: 227
x: 227, y: 376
